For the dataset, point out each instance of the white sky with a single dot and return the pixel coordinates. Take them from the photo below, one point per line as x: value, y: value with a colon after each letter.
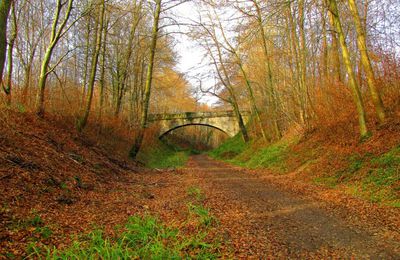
x: 190, y: 60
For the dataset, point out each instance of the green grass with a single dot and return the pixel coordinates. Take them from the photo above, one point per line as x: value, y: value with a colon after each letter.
x: 143, y: 237
x: 198, y: 210
x: 196, y: 193
x: 229, y: 149
x: 252, y: 156
x: 203, y: 214
x: 163, y: 156
x: 376, y: 179
x: 271, y: 157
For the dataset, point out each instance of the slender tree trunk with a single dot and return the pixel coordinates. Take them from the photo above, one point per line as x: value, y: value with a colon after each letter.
x: 241, y: 124
x: 11, y: 41
x: 86, y: 62
x: 303, y: 64
x: 27, y: 82
x: 54, y: 38
x: 296, y: 53
x: 269, y: 78
x: 335, y: 51
x: 28, y: 74
x: 253, y: 101
x: 147, y: 92
x: 366, y: 62
x: 349, y: 67
x: 127, y: 55
x: 324, y: 55
x: 99, y: 33
x: 5, y: 6
x: 103, y: 69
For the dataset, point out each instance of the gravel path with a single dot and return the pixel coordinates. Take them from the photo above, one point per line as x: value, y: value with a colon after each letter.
x: 264, y: 220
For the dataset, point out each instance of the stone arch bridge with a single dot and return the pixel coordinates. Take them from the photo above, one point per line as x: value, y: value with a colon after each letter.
x: 222, y: 120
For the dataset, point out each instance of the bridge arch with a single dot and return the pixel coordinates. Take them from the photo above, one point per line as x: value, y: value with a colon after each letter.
x: 162, y: 134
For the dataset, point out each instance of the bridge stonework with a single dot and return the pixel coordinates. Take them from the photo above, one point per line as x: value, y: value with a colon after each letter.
x: 222, y: 120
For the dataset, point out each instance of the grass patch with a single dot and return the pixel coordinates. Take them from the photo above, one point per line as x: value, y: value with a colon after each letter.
x: 272, y: 157
x: 376, y: 179
x: 141, y: 238
x: 203, y: 214
x: 229, y: 149
x: 163, y: 156
x: 198, y: 210
x: 196, y: 193
x: 253, y: 155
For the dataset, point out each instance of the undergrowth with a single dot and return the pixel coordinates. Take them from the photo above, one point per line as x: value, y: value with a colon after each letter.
x: 162, y: 155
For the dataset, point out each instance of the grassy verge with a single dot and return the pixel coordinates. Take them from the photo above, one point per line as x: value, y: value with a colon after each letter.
x: 145, y: 237
x: 162, y: 155
x: 375, y: 178
x: 253, y: 155
x: 371, y: 177
x: 229, y: 149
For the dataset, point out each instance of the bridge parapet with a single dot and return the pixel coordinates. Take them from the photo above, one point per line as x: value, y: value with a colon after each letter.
x: 194, y: 115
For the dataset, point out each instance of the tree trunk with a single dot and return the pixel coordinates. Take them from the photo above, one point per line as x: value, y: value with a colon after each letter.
x: 86, y: 62
x: 335, y: 51
x: 5, y: 6
x: 127, y: 56
x: 103, y: 69
x: 8, y: 85
x: 241, y: 124
x: 349, y: 67
x: 303, y: 64
x: 366, y: 62
x: 269, y: 78
x: 147, y: 92
x: 253, y: 101
x: 324, y: 55
x: 54, y: 38
x: 296, y: 56
x: 99, y: 34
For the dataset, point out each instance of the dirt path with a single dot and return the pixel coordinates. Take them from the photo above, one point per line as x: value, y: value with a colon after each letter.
x: 264, y: 220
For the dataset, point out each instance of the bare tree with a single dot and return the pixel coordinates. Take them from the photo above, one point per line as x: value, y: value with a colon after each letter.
x: 349, y: 67
x: 56, y: 33
x: 97, y: 48
x: 8, y: 85
x: 366, y: 62
x: 5, y: 6
x: 149, y: 78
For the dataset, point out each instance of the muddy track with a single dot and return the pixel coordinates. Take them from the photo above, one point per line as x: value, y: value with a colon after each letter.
x: 264, y: 220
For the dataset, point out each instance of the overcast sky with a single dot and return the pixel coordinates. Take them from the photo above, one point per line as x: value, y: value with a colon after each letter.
x: 190, y: 60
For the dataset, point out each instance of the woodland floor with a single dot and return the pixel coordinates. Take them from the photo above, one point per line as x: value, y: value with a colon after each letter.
x: 55, y: 184
x: 264, y: 215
